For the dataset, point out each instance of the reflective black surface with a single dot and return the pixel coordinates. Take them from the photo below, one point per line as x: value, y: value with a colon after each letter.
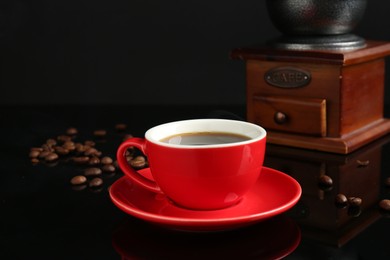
x: 43, y: 216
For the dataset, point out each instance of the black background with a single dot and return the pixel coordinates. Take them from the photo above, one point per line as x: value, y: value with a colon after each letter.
x: 137, y: 51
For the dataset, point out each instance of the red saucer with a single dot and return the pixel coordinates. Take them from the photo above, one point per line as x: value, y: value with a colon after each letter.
x: 275, y: 192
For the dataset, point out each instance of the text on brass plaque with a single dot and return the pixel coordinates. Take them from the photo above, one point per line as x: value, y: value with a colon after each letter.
x: 287, y: 77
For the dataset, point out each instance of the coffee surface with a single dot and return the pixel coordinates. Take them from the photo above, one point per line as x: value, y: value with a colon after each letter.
x: 204, y: 138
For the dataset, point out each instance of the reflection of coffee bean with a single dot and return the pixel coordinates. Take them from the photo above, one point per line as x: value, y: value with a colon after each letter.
x: 385, y: 204
x: 96, y: 182
x: 354, y: 211
x: 363, y: 163
x: 341, y: 200
x: 80, y: 159
x: 79, y: 187
x: 354, y: 201
x: 93, y: 171
x: 78, y: 180
x: 108, y: 168
x: 34, y: 161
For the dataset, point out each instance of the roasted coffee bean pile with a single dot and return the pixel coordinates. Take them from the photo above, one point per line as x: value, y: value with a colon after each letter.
x: 94, y: 163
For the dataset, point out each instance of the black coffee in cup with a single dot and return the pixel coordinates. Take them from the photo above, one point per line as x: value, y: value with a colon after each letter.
x: 204, y: 138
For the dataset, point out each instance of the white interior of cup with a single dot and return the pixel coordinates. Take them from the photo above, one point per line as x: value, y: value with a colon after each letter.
x: 254, y: 132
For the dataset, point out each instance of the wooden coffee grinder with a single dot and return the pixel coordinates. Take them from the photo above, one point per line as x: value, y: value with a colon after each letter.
x: 315, y: 87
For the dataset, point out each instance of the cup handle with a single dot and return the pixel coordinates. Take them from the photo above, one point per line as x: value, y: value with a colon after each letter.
x: 128, y: 170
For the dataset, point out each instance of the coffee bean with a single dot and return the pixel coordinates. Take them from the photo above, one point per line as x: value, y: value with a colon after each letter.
x: 71, y: 131
x: 80, y: 148
x: 325, y: 181
x: 100, y: 133
x: 78, y: 180
x: 108, y: 168
x: 385, y: 204
x: 63, y: 138
x: 51, y: 157
x: 131, y: 151
x: 80, y: 159
x: 341, y: 200
x: 93, y: 171
x: 106, y: 160
x: 47, y: 147
x: 138, y: 162
x: 94, y: 161
x: 61, y: 150
x: 96, y: 182
x: 127, y: 136
x: 90, y: 143
x: 43, y: 154
x: 34, y: 154
x: 69, y: 145
x: 92, y: 151
x: 39, y: 149
x: 354, y: 201
x: 116, y: 165
x: 120, y: 127
x: 51, y: 142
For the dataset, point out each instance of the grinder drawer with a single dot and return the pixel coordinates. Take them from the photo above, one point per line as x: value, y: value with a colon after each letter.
x: 289, y: 114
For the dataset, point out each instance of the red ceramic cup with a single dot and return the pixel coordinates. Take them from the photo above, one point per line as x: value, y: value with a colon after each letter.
x: 203, y: 177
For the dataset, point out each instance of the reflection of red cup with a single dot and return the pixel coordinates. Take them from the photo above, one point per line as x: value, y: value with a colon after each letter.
x: 210, y: 176
x: 274, y: 238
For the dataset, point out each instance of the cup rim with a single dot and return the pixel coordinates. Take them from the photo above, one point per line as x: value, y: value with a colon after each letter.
x: 256, y: 133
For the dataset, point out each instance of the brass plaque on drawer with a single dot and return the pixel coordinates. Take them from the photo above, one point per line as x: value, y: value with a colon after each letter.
x: 289, y: 114
x: 287, y: 77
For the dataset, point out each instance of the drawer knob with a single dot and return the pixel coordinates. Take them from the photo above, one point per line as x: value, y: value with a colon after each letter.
x: 280, y: 118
